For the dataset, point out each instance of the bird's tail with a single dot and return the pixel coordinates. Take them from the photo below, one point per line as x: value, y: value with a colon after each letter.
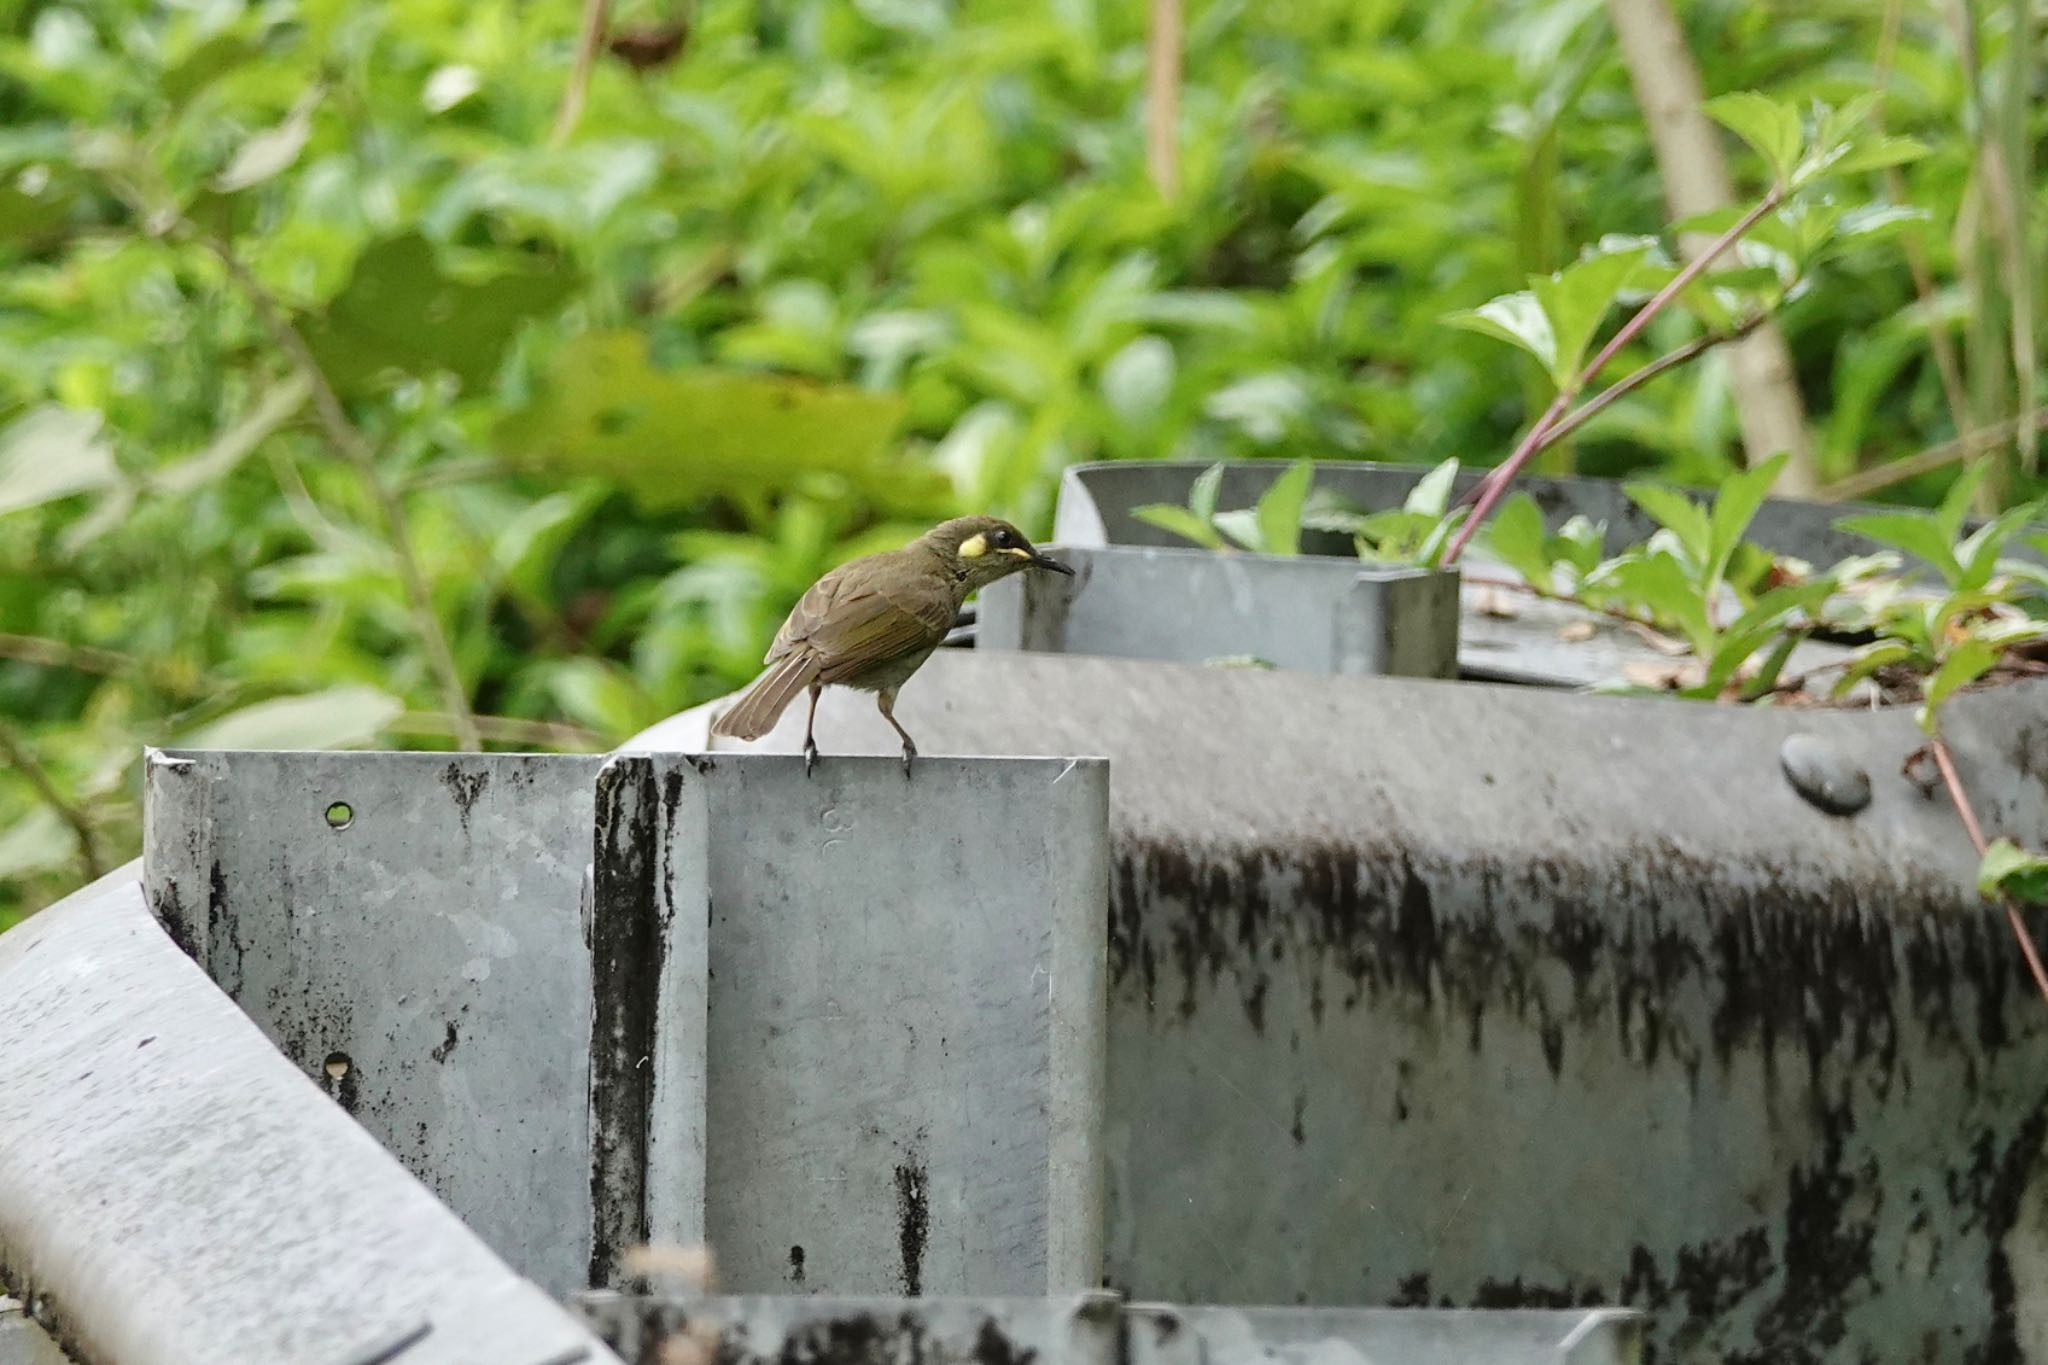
x: 756, y: 712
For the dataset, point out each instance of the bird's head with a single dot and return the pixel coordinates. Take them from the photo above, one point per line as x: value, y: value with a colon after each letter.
x: 983, y: 549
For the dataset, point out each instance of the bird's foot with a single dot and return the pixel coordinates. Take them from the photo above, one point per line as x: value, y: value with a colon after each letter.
x: 810, y: 755
x: 909, y: 753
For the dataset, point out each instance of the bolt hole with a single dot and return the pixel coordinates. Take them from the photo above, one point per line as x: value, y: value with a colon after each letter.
x: 340, y: 815
x: 338, y: 1064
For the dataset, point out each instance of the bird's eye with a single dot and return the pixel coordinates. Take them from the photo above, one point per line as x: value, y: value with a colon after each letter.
x: 1003, y: 539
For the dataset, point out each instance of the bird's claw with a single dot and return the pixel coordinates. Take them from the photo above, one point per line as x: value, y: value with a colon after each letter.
x: 909, y: 753
x: 810, y: 756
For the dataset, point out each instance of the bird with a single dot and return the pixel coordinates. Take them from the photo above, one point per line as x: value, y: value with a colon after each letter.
x: 872, y: 622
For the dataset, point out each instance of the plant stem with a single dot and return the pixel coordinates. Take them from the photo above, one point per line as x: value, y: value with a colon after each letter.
x: 1671, y: 360
x: 1927, y: 461
x: 1961, y: 799
x: 1162, y: 97
x: 34, y: 649
x: 595, y: 17
x: 23, y: 761
x: 1496, y: 483
x: 343, y: 435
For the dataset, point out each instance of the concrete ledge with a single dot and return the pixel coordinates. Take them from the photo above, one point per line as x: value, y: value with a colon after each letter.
x: 172, y: 1189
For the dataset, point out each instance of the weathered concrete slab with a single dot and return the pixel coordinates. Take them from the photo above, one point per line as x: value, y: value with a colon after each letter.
x: 902, y: 1039
x: 23, y: 1340
x: 419, y: 953
x: 1189, y: 606
x: 1500, y: 996
x: 1099, y: 1329
x: 172, y: 1189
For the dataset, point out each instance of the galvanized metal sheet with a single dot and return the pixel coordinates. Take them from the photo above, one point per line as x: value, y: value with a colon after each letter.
x: 903, y: 1033
x: 1171, y: 1334
x: 418, y: 952
x: 1190, y: 606
x: 1500, y: 996
x: 172, y: 1190
x: 22, y: 1339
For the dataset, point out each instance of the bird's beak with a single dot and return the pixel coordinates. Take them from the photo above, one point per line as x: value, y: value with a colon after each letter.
x: 1045, y: 561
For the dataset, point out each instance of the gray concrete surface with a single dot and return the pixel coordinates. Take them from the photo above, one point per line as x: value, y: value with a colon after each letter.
x: 173, y: 1190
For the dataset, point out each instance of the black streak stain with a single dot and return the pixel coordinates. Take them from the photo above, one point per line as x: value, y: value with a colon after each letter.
x: 466, y: 788
x: 913, y: 1224
x: 440, y: 1054
x: 796, y: 1265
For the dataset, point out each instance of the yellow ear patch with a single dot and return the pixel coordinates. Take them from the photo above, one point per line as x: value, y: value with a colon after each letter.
x: 1018, y: 554
x: 974, y: 547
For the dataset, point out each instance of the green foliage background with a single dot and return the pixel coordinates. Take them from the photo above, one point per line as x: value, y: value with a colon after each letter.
x: 840, y: 268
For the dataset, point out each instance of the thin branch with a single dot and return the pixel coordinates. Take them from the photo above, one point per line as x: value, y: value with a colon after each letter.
x: 24, y: 762
x: 1162, y: 97
x: 1671, y: 360
x: 1927, y: 461
x: 595, y: 18
x: 504, y: 730
x: 355, y: 447
x: 1496, y: 483
x: 34, y: 649
x: 1961, y: 799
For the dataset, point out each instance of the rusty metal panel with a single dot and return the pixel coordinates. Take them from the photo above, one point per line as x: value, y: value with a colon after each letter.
x: 1496, y: 996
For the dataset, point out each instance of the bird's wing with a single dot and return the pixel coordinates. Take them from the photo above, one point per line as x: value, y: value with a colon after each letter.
x: 849, y: 623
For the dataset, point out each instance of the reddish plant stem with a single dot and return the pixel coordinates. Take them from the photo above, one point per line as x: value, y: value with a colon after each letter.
x: 1496, y: 484
x: 1961, y: 799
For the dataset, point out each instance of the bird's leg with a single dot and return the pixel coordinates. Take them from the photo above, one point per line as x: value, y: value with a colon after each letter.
x: 810, y: 722
x: 886, y: 701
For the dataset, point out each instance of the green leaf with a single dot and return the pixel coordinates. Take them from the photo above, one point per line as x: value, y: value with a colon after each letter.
x: 1770, y: 128
x: 674, y: 438
x: 339, y: 718
x: 1678, y: 514
x: 1242, y: 525
x: 278, y: 405
x: 1516, y: 536
x: 1917, y: 535
x: 272, y: 151
x: 1970, y: 660
x: 1432, y: 492
x: 1878, y: 153
x: 1137, y: 380
x: 1181, y: 522
x: 2009, y: 870
x: 1870, y: 658
x: 1517, y: 319
x: 1659, y: 583
x: 1977, y: 556
x: 401, y: 312
x: 1954, y: 508
x: 52, y: 452
x: 1280, y: 509
x: 1202, y: 493
x: 1735, y: 506
x: 1576, y: 298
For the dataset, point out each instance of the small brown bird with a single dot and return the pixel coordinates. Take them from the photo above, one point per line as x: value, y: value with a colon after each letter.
x: 872, y: 622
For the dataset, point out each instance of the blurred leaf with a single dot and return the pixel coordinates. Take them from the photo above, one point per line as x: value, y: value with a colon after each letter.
x: 1678, y: 514
x: 52, y: 452
x: 673, y: 438
x: 1517, y: 319
x: 1179, y: 521
x: 1516, y: 535
x: 339, y: 718
x: 1735, y: 505
x: 401, y: 312
x: 1770, y: 128
x: 1914, y: 533
x: 1280, y: 509
x: 1576, y: 298
x: 1432, y: 492
x: 1203, y: 492
x: 1138, y: 379
x: 278, y: 405
x: 1970, y: 660
x: 1242, y: 525
x: 2009, y: 870
x: 37, y: 842
x: 272, y: 151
